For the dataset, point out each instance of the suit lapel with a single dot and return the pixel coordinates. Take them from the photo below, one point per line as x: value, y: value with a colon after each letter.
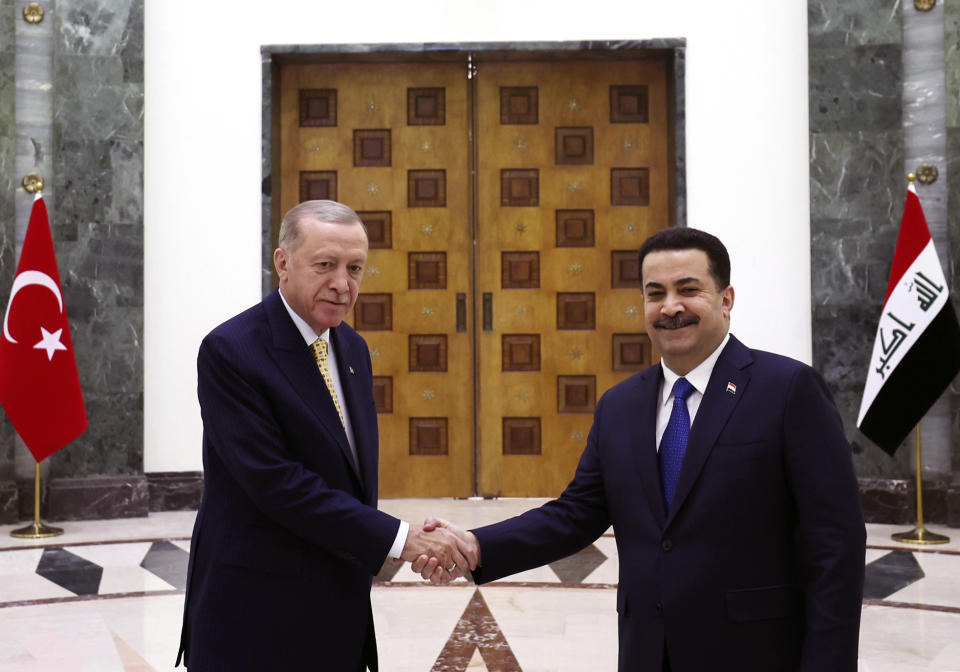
x: 353, y: 397
x: 644, y: 424
x: 296, y: 362
x: 717, y: 405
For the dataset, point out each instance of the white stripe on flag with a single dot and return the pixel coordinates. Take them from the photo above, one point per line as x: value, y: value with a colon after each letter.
x: 914, y: 302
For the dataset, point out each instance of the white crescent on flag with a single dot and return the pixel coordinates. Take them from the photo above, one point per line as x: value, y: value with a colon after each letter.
x: 26, y: 279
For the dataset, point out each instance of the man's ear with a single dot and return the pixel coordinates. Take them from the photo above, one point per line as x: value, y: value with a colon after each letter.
x: 726, y: 300
x: 280, y: 262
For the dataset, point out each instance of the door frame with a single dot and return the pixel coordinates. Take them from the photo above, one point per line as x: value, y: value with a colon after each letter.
x: 670, y: 51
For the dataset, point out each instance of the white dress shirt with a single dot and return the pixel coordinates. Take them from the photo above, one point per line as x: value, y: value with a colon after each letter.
x: 698, y: 377
x: 309, y: 336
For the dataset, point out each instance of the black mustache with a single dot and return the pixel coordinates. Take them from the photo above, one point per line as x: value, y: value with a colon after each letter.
x: 676, y: 322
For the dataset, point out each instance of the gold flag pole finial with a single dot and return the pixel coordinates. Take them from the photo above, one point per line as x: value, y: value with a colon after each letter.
x: 919, y: 534
x: 33, y: 183
x: 911, y: 178
x: 38, y: 530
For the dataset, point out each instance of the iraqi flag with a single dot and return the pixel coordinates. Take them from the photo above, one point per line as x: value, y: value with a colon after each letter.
x: 39, y: 385
x: 917, y: 349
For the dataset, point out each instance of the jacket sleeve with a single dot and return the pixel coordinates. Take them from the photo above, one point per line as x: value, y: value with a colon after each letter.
x: 832, y: 533
x: 240, y: 426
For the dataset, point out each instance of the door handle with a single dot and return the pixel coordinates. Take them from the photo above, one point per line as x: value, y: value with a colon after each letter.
x: 488, y: 311
x: 461, y: 311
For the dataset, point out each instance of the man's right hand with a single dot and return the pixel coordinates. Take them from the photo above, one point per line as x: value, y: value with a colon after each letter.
x: 442, y: 549
x: 430, y: 568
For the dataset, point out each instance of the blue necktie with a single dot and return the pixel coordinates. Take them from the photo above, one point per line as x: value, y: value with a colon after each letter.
x: 673, y: 445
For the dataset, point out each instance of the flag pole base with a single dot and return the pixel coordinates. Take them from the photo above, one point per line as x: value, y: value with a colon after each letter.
x: 920, y: 535
x: 37, y: 530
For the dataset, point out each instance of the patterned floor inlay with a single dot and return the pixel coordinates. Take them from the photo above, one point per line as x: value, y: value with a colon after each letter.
x: 476, y: 635
x: 113, y: 602
x: 892, y: 572
x: 131, y: 660
x: 388, y: 571
x: 577, y: 567
x: 169, y: 562
x: 76, y: 574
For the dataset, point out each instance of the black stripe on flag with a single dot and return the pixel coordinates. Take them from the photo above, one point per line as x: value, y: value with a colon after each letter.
x: 916, y: 383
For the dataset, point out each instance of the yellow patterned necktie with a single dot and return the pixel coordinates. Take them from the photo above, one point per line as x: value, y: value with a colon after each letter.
x: 320, y: 353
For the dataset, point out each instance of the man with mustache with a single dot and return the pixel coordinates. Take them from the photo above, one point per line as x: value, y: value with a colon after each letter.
x: 288, y: 536
x: 730, y: 487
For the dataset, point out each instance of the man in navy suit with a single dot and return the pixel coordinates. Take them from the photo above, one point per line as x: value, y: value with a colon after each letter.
x: 288, y: 536
x: 738, y: 525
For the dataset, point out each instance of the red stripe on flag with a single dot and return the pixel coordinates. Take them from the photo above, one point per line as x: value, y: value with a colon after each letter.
x: 914, y: 236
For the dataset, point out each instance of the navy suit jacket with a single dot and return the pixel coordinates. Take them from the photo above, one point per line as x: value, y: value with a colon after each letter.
x: 759, y: 563
x: 288, y: 536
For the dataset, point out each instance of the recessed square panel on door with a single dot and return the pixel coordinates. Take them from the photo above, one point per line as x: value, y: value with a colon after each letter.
x: 391, y: 141
x: 573, y: 174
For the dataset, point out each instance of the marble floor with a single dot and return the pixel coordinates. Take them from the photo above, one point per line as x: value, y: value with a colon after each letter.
x: 107, y: 596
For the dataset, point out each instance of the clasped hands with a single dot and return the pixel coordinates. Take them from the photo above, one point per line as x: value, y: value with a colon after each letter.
x: 440, y: 551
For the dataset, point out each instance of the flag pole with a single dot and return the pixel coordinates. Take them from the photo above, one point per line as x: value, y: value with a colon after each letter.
x: 38, y: 530
x: 919, y: 535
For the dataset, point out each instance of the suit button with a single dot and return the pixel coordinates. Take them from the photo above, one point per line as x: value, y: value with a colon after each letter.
x: 659, y: 609
x: 666, y: 545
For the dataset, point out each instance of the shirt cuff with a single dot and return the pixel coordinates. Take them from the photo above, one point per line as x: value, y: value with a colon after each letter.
x: 397, y: 549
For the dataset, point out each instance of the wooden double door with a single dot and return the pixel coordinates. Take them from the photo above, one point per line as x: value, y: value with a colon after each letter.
x: 504, y: 202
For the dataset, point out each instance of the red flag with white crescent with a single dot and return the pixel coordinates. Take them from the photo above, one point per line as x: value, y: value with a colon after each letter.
x: 39, y: 384
x: 917, y: 348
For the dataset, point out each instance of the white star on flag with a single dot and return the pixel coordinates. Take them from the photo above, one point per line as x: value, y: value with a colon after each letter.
x: 50, y: 342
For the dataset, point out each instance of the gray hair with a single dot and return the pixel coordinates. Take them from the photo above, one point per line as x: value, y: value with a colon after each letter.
x: 329, y: 212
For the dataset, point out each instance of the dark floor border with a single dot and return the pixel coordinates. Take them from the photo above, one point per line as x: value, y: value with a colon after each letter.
x: 505, y: 584
x: 912, y: 605
x: 89, y: 598
x: 57, y: 542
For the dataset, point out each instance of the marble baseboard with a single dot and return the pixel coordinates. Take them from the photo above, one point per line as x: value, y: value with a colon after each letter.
x: 97, y: 498
x: 953, y: 505
x: 884, y: 500
x: 103, y: 497
x: 888, y: 500
x: 893, y: 501
x: 175, y: 490
x: 9, y: 506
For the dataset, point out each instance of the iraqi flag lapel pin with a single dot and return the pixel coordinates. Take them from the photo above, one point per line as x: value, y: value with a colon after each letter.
x: 731, y: 388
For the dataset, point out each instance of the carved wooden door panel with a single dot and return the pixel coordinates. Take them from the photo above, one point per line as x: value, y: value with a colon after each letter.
x: 501, y: 296
x: 572, y: 177
x: 391, y: 141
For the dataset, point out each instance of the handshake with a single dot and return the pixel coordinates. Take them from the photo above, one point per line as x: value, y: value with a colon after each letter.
x: 440, y: 552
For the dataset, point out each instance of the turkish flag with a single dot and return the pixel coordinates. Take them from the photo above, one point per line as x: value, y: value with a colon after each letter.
x: 39, y: 385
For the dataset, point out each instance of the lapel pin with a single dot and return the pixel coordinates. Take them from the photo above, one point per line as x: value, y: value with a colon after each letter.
x: 731, y: 388
x: 351, y: 369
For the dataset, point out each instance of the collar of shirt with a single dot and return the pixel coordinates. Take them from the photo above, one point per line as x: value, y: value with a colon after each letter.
x: 309, y: 335
x: 698, y: 377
